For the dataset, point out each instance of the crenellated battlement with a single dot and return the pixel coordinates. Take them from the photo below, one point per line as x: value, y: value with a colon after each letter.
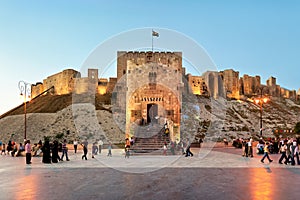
x: 173, y: 59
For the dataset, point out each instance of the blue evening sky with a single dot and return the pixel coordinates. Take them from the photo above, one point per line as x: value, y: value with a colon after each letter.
x: 40, y: 38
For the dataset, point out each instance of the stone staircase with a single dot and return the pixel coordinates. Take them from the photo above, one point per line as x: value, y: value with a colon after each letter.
x: 149, y: 139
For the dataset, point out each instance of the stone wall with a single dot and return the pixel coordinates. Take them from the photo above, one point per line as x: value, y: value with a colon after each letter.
x: 102, y: 86
x: 63, y: 82
x: 250, y: 85
x: 273, y: 88
x: 225, y: 83
x: 231, y: 83
x: 214, y: 84
x: 36, y: 89
x: 106, y: 85
x: 197, y: 85
x: 82, y: 85
x: 111, y: 84
x: 285, y: 93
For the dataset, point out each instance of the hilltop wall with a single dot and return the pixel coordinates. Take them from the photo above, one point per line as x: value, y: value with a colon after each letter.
x: 225, y: 83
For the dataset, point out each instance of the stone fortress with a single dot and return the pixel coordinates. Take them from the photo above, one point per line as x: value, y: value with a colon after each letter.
x: 151, y: 84
x: 225, y: 83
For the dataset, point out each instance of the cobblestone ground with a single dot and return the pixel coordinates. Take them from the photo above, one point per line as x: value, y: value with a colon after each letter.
x: 222, y: 174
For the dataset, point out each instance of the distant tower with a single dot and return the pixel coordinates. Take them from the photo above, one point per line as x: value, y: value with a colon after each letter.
x: 93, y: 74
x: 93, y: 79
x: 231, y: 83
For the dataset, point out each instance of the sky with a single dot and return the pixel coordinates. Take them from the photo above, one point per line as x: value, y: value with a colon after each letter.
x: 41, y: 38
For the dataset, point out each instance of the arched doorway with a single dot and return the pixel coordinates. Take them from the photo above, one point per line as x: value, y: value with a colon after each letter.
x: 152, y: 113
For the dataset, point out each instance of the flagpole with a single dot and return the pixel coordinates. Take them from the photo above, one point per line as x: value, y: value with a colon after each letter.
x: 152, y: 39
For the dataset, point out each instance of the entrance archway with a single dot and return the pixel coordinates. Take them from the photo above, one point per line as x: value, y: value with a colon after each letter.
x: 152, y: 113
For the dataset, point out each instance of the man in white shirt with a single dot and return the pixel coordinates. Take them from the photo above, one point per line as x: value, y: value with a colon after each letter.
x: 250, y: 150
x: 100, y: 144
x: 294, y: 152
x: 75, y: 143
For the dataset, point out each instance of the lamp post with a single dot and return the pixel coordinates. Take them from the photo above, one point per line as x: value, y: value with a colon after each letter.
x: 261, y: 101
x: 25, y: 89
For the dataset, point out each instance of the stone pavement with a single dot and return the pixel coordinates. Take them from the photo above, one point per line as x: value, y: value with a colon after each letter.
x: 219, y: 173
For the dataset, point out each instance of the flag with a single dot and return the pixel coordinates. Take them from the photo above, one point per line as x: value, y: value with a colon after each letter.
x: 156, y: 34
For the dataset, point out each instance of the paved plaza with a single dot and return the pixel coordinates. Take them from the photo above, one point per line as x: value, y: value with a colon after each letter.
x: 218, y: 173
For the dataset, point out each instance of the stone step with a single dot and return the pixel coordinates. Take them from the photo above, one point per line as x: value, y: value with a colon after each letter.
x: 152, y: 152
x: 150, y: 145
x: 147, y: 146
x: 149, y: 139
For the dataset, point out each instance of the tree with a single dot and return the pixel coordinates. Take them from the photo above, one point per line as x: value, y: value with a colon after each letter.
x: 297, y: 128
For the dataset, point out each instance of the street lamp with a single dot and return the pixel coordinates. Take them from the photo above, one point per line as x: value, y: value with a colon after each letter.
x: 25, y: 89
x: 261, y: 101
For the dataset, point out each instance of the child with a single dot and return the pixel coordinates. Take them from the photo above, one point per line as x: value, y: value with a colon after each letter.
x: 3, y: 149
x: 127, y: 152
x: 266, y: 153
x: 165, y: 148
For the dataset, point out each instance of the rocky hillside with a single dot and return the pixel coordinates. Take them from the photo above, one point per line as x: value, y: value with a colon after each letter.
x: 244, y: 116
x: 63, y: 117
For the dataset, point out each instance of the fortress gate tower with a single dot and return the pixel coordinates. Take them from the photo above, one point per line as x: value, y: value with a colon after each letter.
x: 149, y: 91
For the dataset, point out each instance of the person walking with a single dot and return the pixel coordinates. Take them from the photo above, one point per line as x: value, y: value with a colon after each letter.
x: 46, y: 152
x: 245, y: 147
x: 100, y: 144
x: 127, y: 147
x: 132, y: 141
x: 188, y: 150
x: 127, y: 143
x: 165, y: 148
x: 297, y: 153
x: 85, y: 149
x: 15, y: 149
x: 283, y: 149
x: 9, y: 148
x: 109, y: 147
x: 294, y: 153
x: 28, y: 152
x: 266, y: 153
x: 3, y: 149
x: 64, y: 151
x: 20, y: 150
x: 55, y: 157
x: 75, y: 143
x: 250, y: 149
x: 127, y: 153
x: 94, y: 149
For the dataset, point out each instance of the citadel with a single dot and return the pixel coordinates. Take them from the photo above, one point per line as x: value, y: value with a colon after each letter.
x: 149, y: 87
x: 225, y: 83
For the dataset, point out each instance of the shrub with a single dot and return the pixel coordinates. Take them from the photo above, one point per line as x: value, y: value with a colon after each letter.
x: 59, y: 136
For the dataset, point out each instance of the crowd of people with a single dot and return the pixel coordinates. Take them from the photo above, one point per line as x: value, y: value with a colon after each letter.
x: 49, y: 151
x: 287, y: 147
x: 11, y: 148
x: 184, y: 147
